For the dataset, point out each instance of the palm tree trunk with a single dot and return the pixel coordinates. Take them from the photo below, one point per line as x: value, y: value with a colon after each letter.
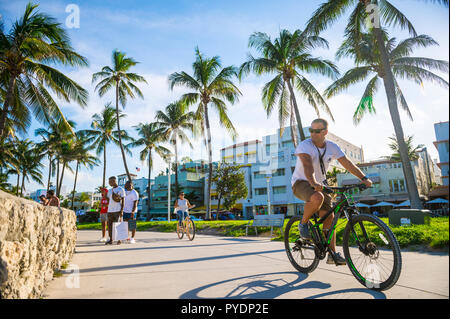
x: 292, y: 126
x: 62, y: 176
x: 388, y: 80
x: 104, y: 164
x: 23, y: 182
x: 57, y: 177
x: 49, y: 171
x: 176, y: 169
x: 18, y: 184
x: 120, y: 133
x: 4, y: 113
x: 74, y: 184
x: 149, y: 182
x: 297, y: 114
x: 208, y: 191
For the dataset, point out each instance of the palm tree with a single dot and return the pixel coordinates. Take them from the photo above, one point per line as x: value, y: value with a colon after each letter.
x: 174, y: 121
x: 289, y: 57
x: 151, y: 135
x: 29, y: 164
x: 35, y: 41
x: 123, y: 81
x: 365, y: 16
x: 51, y: 139
x: 82, y: 156
x: 367, y: 58
x: 412, y: 151
x: 369, y: 64
x: 102, y: 130
x: 54, y: 142
x: 210, y: 84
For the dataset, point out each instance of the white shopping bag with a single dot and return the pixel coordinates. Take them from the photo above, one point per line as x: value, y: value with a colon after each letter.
x: 120, y: 230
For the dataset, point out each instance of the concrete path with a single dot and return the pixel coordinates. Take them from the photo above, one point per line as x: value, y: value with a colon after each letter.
x: 160, y: 265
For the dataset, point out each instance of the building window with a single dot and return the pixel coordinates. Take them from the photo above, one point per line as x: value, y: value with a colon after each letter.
x: 287, y: 144
x: 260, y: 191
x: 279, y: 172
x: 396, y: 185
x: 259, y: 175
x: 279, y: 189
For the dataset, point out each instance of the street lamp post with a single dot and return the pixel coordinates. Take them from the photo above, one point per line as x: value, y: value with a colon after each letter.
x: 268, y: 194
x: 168, y: 188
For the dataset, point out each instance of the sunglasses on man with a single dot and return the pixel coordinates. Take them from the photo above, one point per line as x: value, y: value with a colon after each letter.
x: 318, y: 130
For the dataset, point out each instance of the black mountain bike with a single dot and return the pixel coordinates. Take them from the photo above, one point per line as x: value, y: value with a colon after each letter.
x: 370, y: 248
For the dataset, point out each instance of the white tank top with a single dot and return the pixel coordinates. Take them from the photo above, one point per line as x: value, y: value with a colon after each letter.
x: 182, y: 205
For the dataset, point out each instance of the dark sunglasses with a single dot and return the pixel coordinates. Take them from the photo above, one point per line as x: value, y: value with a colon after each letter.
x: 318, y: 130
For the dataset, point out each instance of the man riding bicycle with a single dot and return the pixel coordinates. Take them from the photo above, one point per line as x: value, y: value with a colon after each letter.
x: 309, y: 177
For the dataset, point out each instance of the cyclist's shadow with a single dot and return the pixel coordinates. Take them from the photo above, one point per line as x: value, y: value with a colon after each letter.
x: 269, y: 286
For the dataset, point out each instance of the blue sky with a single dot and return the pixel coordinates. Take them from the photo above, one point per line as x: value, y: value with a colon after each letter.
x: 162, y: 36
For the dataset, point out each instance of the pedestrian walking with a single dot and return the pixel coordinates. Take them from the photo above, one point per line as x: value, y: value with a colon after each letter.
x: 104, y: 212
x: 130, y: 209
x: 115, y: 206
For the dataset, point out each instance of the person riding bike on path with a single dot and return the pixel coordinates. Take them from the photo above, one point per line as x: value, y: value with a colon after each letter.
x: 182, y: 206
x: 313, y: 158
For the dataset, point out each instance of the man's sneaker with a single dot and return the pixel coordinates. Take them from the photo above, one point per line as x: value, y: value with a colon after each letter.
x: 109, y: 242
x: 304, y: 231
x: 132, y: 241
x: 103, y: 239
x: 339, y: 259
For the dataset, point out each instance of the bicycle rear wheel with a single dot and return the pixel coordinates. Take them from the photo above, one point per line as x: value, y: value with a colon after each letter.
x: 372, y: 252
x: 180, y: 230
x: 190, y: 229
x: 301, y: 253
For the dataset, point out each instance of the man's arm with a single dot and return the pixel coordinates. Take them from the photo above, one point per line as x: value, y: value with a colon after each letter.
x: 354, y: 170
x: 309, y: 170
x: 134, y: 208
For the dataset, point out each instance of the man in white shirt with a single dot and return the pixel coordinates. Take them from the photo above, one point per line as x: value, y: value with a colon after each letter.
x: 309, y: 177
x: 115, y: 207
x: 130, y: 209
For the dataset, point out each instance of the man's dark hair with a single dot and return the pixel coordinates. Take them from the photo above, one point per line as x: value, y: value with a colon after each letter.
x: 113, y: 177
x: 50, y: 192
x: 321, y: 121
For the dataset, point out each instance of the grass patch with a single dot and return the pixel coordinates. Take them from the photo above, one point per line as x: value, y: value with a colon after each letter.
x: 435, y: 235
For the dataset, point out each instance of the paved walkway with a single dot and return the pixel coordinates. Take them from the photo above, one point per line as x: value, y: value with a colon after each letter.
x: 160, y: 265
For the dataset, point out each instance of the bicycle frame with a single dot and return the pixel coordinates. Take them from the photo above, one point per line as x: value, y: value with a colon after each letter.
x: 337, y: 209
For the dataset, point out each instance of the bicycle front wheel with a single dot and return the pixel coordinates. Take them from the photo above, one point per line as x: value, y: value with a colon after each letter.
x: 301, y: 253
x: 190, y: 229
x: 180, y: 230
x: 372, y: 252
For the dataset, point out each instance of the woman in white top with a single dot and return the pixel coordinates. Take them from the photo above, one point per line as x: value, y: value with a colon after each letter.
x: 182, y: 206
